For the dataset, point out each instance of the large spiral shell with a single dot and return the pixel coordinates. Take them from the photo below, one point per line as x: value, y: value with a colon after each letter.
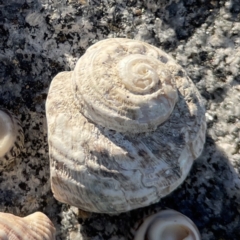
x: 35, y: 226
x: 167, y: 225
x: 128, y: 88
x: 123, y: 128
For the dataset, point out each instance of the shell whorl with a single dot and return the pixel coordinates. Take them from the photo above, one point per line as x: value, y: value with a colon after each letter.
x: 167, y: 224
x: 124, y: 87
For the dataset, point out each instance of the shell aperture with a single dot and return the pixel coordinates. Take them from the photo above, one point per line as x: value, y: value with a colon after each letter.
x: 11, y: 137
x: 167, y: 225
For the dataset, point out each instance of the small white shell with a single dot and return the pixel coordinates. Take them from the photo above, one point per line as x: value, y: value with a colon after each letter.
x: 11, y: 137
x: 123, y: 128
x: 35, y: 226
x: 167, y: 225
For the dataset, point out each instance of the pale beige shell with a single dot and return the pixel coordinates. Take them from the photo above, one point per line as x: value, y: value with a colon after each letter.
x: 123, y: 128
x: 36, y: 226
x: 167, y: 225
x: 11, y: 137
x: 126, y: 87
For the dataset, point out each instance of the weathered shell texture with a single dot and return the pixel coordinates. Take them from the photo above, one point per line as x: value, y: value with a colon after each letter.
x: 36, y: 226
x: 167, y: 225
x: 123, y: 128
x: 11, y: 137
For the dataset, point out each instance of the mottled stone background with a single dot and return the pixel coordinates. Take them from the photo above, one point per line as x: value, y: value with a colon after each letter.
x: 39, y: 38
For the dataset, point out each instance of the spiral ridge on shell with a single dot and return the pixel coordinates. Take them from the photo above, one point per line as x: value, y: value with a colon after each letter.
x: 124, y: 86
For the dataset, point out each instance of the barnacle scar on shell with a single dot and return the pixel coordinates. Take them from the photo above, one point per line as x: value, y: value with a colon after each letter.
x: 123, y: 128
x: 11, y: 137
x: 167, y: 225
x: 34, y: 226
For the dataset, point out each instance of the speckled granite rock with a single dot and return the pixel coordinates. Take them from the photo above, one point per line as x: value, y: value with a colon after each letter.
x: 40, y: 38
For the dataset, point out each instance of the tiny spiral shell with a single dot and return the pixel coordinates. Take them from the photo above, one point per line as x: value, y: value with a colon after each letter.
x: 36, y: 226
x: 167, y: 225
x: 11, y: 137
x: 128, y: 87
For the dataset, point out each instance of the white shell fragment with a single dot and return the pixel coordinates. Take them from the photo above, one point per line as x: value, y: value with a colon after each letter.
x: 11, y: 137
x: 35, y: 226
x: 167, y: 225
x: 123, y: 128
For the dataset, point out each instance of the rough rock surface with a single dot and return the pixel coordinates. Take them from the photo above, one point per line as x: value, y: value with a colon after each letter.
x: 40, y: 38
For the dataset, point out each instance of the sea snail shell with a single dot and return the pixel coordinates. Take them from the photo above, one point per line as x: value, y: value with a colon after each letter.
x: 35, y: 226
x: 123, y: 128
x: 167, y: 225
x: 11, y: 137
